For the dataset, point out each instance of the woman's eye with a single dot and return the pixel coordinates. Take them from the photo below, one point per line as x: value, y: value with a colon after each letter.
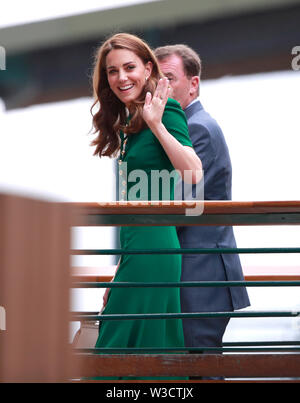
x: 130, y: 67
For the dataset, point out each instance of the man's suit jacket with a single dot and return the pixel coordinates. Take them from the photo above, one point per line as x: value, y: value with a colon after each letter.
x: 209, y: 143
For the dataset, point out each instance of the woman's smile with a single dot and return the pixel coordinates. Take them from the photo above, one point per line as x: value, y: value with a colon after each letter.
x: 126, y: 87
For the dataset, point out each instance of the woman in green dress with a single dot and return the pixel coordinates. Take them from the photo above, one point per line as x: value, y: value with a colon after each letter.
x: 138, y: 120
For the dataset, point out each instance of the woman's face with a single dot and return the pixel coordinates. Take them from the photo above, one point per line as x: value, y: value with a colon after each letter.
x: 126, y: 74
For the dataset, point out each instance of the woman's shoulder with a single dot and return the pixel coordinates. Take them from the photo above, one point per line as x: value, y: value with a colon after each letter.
x: 175, y: 122
x: 173, y: 110
x: 172, y: 103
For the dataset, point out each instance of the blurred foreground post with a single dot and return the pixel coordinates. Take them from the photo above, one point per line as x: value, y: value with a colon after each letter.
x: 34, y: 290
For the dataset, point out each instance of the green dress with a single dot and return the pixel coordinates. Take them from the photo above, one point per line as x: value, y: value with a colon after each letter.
x: 144, y: 158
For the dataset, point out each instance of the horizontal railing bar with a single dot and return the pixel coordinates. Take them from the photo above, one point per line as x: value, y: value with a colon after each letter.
x: 229, y: 365
x: 264, y: 346
x: 208, y: 212
x: 168, y: 350
x: 89, y: 284
x: 179, y: 251
x: 273, y: 343
x: 179, y: 207
x: 262, y: 343
x: 246, y: 314
x: 227, y: 346
x: 192, y: 220
x: 182, y: 220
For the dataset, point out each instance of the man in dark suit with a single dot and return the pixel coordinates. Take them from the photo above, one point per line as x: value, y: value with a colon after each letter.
x: 183, y: 68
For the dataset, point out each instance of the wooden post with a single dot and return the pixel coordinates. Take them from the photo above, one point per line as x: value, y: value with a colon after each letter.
x: 34, y: 289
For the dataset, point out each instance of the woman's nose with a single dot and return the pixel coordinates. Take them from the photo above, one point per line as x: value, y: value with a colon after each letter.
x: 122, y: 75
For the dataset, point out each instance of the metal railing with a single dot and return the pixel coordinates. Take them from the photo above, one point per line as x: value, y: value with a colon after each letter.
x: 252, y: 359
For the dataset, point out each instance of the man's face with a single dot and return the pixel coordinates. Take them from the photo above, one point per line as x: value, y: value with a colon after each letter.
x: 183, y: 88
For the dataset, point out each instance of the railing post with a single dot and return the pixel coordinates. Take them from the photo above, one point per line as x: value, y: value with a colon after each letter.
x: 34, y: 289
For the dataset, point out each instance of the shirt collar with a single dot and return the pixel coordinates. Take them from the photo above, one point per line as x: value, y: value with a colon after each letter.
x: 193, y: 101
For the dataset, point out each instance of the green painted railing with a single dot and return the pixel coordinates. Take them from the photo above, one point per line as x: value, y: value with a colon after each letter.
x: 182, y: 251
x: 87, y: 284
x: 174, y: 213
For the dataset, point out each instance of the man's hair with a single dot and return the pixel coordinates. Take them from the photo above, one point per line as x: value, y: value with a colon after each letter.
x: 190, y: 59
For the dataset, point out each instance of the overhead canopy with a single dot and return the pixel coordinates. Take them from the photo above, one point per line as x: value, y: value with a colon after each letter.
x: 51, y: 60
x: 163, y: 13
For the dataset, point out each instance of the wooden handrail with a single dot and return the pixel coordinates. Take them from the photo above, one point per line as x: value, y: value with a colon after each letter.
x: 229, y: 365
x: 186, y: 213
x: 179, y: 207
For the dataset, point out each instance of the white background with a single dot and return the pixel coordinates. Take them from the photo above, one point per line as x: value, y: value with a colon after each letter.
x: 17, y: 12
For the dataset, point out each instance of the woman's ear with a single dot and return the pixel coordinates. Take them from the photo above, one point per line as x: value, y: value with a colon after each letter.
x: 148, y: 69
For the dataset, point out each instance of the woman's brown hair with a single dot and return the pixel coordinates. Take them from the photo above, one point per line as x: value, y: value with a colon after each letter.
x: 112, y: 115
